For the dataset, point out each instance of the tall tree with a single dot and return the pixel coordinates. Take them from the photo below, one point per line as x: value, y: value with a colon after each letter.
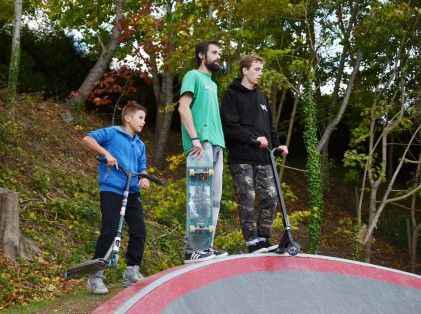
x: 386, y: 104
x: 15, y: 56
x: 103, y: 62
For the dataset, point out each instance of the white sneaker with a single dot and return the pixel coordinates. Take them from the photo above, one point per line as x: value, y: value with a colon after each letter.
x: 96, y: 284
x: 131, y: 275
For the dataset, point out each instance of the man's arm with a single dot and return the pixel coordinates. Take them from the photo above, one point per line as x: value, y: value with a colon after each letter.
x: 187, y: 120
x: 91, y: 143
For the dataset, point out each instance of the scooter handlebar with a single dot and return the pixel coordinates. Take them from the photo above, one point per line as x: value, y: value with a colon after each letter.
x: 154, y: 179
x: 276, y: 150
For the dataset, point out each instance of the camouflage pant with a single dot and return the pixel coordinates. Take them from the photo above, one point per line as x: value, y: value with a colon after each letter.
x: 249, y: 179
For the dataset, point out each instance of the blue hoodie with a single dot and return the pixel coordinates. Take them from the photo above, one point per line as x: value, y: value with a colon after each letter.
x: 130, y: 153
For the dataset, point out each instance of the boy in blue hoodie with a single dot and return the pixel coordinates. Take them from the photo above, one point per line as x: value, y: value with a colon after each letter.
x: 120, y: 145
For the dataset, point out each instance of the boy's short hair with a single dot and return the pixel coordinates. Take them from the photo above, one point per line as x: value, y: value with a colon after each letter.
x: 247, y: 60
x: 131, y: 108
x: 203, y: 47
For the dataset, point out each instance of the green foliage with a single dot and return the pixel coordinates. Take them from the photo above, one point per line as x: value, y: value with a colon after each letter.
x: 50, y: 62
x: 353, y: 234
x: 313, y: 169
x: 40, y: 180
x: 167, y: 203
x: 231, y: 242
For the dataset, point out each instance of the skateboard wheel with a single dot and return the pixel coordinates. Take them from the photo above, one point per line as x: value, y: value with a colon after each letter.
x: 192, y: 228
x: 211, y: 228
x: 191, y: 172
x: 211, y: 172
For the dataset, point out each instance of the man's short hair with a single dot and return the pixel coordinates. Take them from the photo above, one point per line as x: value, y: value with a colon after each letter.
x: 203, y: 47
x: 131, y: 108
x: 247, y: 60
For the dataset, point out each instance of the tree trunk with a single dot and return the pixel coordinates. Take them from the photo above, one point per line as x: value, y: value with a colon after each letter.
x: 278, y: 111
x: 332, y: 125
x: 289, y: 135
x: 12, y: 242
x: 166, y: 120
x: 101, y: 65
x: 414, y: 241
x: 15, y: 56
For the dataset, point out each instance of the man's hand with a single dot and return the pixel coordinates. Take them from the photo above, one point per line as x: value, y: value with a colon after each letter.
x: 263, y: 141
x: 197, y: 149
x: 283, y: 150
x: 144, y: 183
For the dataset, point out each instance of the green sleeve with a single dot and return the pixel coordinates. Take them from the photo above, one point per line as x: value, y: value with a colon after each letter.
x: 188, y: 84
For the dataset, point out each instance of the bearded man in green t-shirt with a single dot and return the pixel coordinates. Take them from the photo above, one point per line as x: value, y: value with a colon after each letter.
x: 202, y: 129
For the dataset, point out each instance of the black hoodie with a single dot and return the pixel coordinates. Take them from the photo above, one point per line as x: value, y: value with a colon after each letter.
x: 246, y: 115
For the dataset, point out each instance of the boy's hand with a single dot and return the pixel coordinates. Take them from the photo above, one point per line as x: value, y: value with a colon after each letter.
x: 144, y: 183
x: 283, y: 150
x: 111, y: 161
x: 263, y: 141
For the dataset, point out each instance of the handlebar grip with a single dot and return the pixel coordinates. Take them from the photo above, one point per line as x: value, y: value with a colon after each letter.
x: 152, y: 178
x: 102, y: 159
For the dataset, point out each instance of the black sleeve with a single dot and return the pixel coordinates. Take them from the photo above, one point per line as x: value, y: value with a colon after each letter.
x: 231, y: 121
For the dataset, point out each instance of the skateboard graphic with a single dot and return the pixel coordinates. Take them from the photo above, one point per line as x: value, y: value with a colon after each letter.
x: 199, y: 222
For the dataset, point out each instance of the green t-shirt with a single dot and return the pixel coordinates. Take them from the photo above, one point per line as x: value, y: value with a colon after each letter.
x: 204, y: 108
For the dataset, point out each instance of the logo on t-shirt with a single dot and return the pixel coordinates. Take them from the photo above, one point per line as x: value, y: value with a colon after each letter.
x: 264, y: 107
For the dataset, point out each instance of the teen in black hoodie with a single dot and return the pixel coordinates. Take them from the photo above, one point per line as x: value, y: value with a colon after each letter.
x: 246, y: 115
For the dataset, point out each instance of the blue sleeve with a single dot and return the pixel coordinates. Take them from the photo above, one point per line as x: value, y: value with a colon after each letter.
x: 101, y: 135
x: 142, y: 158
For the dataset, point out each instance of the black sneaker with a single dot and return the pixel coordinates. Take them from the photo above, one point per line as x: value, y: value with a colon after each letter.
x: 257, y: 248
x: 217, y: 253
x: 198, y: 256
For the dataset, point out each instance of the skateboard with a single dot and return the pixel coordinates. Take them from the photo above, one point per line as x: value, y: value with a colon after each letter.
x: 199, y: 222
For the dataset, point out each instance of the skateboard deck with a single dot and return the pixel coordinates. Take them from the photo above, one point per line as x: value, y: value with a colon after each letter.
x: 199, y: 222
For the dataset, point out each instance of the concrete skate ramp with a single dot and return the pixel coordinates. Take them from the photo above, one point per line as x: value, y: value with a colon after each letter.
x: 269, y: 283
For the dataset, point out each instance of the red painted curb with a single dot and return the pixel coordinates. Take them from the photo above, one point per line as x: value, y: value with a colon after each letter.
x: 168, y: 291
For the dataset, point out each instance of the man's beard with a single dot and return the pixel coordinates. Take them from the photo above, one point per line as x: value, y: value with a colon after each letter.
x: 211, y: 66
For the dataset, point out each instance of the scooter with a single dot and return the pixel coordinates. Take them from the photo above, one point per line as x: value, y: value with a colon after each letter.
x: 110, y: 259
x: 287, y: 243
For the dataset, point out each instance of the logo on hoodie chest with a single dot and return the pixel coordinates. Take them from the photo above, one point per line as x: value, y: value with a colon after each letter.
x: 263, y: 107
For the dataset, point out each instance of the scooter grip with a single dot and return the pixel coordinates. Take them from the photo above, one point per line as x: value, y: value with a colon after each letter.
x: 101, y: 159
x: 152, y: 178
x: 278, y: 151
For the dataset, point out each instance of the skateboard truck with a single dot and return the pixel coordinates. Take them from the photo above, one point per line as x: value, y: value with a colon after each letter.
x: 201, y: 175
x: 201, y: 228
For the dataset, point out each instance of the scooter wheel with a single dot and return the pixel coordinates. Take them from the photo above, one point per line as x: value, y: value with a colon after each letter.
x: 191, y: 172
x: 69, y: 275
x: 293, y: 248
x: 192, y: 228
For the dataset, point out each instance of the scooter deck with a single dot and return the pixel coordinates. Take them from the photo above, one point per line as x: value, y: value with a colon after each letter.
x: 86, y: 268
x: 199, y: 222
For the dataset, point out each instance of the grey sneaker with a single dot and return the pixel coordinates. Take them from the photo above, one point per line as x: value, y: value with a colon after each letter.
x: 131, y: 275
x: 96, y: 283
